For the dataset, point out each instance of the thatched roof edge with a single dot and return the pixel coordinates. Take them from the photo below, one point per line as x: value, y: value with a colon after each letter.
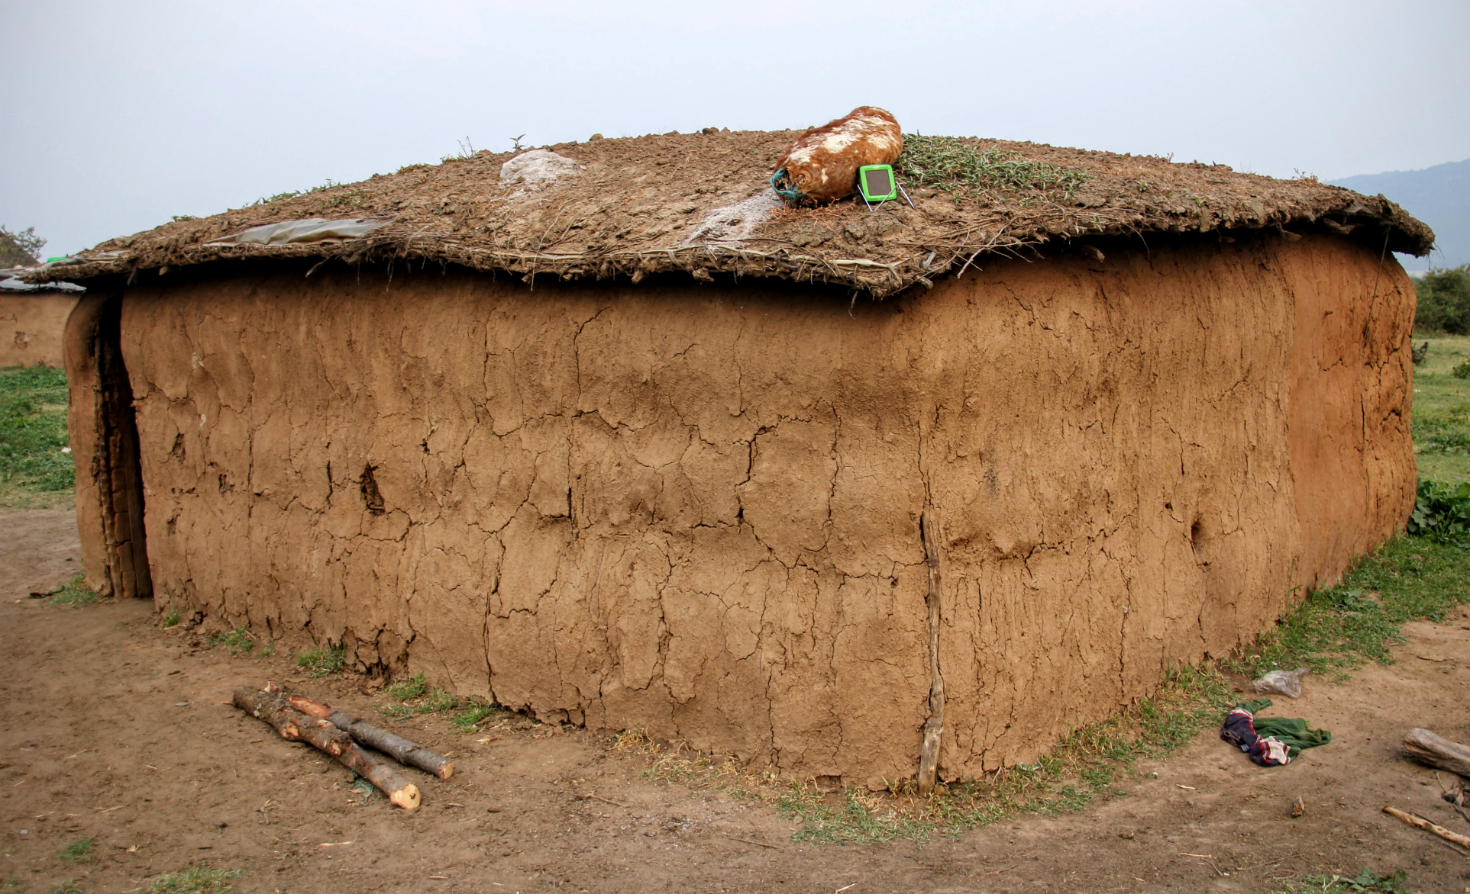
x: 628, y: 209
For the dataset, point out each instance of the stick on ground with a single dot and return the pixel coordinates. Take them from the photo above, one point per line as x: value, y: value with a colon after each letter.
x: 396, y: 747
x: 1419, y: 822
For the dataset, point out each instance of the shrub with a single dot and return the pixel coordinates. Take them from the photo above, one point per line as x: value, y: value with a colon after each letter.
x: 1442, y: 512
x: 1444, y: 302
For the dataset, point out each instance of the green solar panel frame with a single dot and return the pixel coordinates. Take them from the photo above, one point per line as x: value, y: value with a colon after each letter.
x: 877, y: 197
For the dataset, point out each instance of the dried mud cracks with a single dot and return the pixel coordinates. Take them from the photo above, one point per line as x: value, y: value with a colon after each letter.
x: 695, y: 509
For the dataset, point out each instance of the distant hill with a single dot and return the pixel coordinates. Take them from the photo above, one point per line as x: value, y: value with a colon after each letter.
x: 1439, y: 196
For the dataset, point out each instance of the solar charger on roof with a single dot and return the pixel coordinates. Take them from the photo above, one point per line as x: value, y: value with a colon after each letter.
x: 877, y: 184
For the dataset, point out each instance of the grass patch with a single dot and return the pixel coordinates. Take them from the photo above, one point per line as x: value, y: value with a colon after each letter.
x: 1367, y: 882
x: 78, y: 851
x: 172, y: 619
x: 415, y: 698
x: 410, y: 689
x: 475, y: 713
x: 238, y: 641
x: 35, y: 457
x: 1340, y: 628
x: 74, y: 593
x: 195, y: 880
x: 966, y: 169
x: 67, y: 887
x: 1441, y: 418
x: 323, y: 662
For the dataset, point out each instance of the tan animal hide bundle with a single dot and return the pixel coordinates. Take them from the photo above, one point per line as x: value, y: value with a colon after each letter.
x: 822, y: 165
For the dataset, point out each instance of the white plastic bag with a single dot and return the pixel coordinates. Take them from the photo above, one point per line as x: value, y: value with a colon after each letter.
x: 1287, y: 683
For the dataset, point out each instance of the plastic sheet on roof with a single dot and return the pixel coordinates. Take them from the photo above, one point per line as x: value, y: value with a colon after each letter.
x: 312, y: 229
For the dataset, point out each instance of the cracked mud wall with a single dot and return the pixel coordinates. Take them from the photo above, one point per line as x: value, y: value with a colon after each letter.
x: 696, y: 510
x: 31, y: 327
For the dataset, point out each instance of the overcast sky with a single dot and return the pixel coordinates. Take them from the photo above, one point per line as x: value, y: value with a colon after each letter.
x: 120, y: 115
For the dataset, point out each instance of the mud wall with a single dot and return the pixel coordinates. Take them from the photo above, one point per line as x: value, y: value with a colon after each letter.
x: 31, y: 327
x: 696, y: 509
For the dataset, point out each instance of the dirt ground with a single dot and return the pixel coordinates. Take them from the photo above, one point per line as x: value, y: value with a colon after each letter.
x: 118, y: 729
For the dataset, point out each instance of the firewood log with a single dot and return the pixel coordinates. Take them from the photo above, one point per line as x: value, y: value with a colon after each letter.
x: 1427, y: 748
x: 396, y: 747
x: 292, y: 724
x: 326, y: 737
x: 399, y: 790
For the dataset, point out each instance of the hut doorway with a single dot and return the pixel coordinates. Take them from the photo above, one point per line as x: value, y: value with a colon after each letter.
x: 117, y: 473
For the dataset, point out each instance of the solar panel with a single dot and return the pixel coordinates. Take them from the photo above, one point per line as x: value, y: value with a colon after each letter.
x: 876, y: 183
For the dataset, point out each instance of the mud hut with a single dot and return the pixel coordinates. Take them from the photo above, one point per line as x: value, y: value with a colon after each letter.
x: 32, y: 318
x: 604, y: 432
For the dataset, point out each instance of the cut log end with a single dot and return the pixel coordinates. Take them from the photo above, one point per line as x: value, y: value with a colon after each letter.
x: 407, y: 797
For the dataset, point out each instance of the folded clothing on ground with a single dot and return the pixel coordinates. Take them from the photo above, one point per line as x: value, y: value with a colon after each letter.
x: 1269, y: 741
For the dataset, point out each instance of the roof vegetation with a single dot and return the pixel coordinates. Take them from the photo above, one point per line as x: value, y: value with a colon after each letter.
x: 967, y: 168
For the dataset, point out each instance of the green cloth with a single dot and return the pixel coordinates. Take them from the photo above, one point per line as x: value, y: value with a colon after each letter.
x: 1292, y: 731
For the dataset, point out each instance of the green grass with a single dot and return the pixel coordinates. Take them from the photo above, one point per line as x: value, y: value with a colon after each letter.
x: 238, y: 641
x: 966, y: 169
x: 414, y: 698
x: 1340, y: 628
x: 410, y: 689
x: 195, y: 880
x: 172, y: 619
x: 67, y: 887
x: 74, y: 593
x: 323, y: 662
x: 34, y: 471
x: 1441, y: 417
x: 475, y: 713
x: 78, y: 851
x: 1366, y: 882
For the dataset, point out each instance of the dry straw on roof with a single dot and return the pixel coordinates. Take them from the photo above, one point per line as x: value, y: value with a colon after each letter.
x: 700, y: 203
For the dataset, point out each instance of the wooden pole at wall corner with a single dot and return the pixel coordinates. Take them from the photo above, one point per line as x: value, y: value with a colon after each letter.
x: 934, y: 725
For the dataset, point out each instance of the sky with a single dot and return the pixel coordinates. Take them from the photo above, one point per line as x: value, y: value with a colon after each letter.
x: 121, y: 115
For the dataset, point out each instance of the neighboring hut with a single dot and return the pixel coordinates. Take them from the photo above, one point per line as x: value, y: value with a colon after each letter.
x: 606, y: 433
x: 32, y: 318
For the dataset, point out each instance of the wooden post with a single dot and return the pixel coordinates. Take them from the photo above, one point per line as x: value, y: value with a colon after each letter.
x: 934, y: 725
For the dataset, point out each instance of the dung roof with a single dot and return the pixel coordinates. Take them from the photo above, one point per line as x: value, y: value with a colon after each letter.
x: 11, y: 283
x: 701, y: 203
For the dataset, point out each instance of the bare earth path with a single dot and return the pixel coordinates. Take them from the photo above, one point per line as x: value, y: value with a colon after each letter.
x: 117, y: 729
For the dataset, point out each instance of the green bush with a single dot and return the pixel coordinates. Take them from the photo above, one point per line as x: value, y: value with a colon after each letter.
x: 1444, y: 302
x: 1442, y: 512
